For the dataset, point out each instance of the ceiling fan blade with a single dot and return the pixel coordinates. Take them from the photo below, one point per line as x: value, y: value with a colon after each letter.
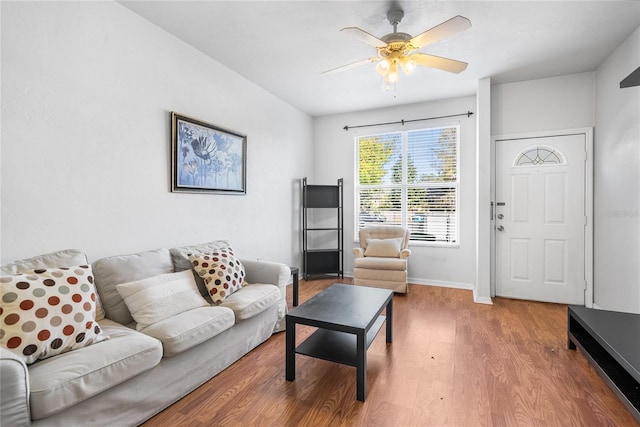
x: 446, y: 64
x: 350, y: 66
x: 362, y: 35
x: 454, y: 25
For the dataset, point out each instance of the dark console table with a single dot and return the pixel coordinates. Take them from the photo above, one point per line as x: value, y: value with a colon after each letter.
x: 611, y: 342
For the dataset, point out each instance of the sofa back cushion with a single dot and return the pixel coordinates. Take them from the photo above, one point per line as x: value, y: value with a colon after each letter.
x: 58, y: 259
x: 64, y: 258
x: 112, y: 271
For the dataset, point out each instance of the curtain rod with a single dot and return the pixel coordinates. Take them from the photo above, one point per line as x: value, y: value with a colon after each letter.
x: 347, y: 127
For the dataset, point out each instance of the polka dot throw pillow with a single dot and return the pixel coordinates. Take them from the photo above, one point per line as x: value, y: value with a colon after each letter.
x: 222, y: 272
x: 46, y: 312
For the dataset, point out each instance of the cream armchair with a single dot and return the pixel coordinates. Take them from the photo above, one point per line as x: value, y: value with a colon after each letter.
x: 381, y: 259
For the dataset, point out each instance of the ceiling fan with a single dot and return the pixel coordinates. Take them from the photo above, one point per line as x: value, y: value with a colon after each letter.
x: 397, y: 50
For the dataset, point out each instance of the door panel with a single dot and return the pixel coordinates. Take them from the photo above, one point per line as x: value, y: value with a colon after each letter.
x: 520, y: 198
x: 555, y: 265
x: 540, y: 190
x: 520, y: 259
x: 555, y: 199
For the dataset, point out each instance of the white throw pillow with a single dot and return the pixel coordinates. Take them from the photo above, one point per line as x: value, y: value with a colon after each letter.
x: 160, y: 297
x: 384, y: 247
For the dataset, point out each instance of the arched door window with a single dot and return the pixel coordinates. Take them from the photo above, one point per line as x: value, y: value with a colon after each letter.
x: 539, y: 155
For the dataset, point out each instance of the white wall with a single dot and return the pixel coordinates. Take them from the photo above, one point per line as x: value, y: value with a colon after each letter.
x: 87, y: 90
x: 564, y: 102
x: 617, y: 182
x: 334, y: 158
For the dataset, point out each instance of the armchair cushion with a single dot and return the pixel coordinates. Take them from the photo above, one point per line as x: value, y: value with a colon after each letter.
x: 383, y: 247
x: 378, y: 263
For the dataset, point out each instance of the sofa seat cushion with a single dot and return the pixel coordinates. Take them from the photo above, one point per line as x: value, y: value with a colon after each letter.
x: 182, y: 331
x: 65, y: 380
x: 381, y: 263
x: 252, y: 299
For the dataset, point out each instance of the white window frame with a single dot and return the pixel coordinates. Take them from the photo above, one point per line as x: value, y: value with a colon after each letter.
x: 404, y: 186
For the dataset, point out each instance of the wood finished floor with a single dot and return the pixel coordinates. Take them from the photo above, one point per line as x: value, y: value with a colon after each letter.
x: 452, y: 363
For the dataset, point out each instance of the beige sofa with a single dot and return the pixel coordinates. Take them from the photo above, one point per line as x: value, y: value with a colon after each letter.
x: 135, y: 374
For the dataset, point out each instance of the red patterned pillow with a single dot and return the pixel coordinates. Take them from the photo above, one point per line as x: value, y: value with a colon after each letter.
x: 222, y: 272
x: 46, y: 312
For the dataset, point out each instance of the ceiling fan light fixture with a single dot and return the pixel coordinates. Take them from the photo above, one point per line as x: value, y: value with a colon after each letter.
x: 383, y: 67
x: 408, y: 65
x: 392, y: 75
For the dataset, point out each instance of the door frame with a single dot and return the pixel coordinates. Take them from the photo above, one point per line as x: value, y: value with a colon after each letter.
x: 588, y: 201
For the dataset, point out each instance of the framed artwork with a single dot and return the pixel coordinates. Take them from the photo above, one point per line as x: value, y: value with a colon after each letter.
x: 206, y: 158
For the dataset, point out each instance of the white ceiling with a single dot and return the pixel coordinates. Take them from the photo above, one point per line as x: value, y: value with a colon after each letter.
x: 283, y: 46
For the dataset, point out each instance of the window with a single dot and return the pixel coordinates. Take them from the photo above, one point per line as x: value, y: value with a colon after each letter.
x: 410, y: 178
x: 540, y: 155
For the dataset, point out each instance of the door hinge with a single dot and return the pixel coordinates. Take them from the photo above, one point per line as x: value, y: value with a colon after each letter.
x: 585, y: 284
x: 586, y: 220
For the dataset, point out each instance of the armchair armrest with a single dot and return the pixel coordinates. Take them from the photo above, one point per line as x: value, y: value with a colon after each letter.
x: 14, y: 392
x: 358, y: 252
x: 404, y: 254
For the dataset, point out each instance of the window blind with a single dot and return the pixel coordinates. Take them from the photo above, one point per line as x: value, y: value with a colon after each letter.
x: 410, y: 178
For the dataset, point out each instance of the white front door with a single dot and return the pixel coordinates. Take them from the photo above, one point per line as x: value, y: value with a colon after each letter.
x: 540, y: 218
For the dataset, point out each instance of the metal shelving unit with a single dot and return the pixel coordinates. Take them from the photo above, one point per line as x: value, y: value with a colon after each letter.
x: 322, y: 246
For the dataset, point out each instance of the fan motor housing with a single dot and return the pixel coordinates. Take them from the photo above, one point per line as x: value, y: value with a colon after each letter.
x: 396, y: 37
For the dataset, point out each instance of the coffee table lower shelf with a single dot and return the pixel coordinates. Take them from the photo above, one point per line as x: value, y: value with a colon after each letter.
x: 335, y: 346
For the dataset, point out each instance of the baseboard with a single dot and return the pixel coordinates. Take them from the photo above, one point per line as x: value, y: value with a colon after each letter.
x: 440, y: 283
x: 443, y: 284
x: 481, y: 300
x: 429, y: 282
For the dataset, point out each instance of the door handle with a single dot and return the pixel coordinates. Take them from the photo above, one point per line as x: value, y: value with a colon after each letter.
x: 500, y: 228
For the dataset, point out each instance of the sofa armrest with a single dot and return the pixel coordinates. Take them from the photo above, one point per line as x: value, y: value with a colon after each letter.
x: 358, y: 252
x: 404, y: 254
x: 273, y: 273
x: 14, y: 392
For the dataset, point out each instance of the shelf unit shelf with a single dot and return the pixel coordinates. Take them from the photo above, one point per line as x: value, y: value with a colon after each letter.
x: 322, y: 261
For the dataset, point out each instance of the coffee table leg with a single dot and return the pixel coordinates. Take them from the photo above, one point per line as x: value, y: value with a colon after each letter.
x: 389, y: 321
x: 290, y: 350
x: 361, y: 367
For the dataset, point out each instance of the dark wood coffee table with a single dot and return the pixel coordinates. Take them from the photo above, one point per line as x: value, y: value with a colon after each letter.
x: 348, y: 319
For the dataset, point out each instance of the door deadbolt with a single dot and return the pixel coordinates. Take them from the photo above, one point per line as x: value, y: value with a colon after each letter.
x: 500, y: 228
x: 500, y: 216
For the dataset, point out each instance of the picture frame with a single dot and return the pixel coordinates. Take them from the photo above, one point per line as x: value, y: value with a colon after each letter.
x: 206, y: 158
